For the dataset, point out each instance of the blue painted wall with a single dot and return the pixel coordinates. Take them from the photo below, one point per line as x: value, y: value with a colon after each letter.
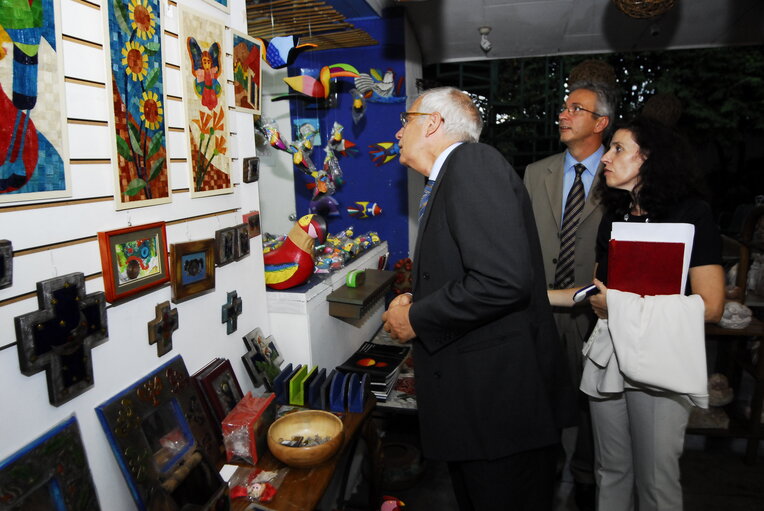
x: 386, y: 184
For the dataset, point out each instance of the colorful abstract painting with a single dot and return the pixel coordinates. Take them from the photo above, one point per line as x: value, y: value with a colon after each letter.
x: 141, y: 176
x: 246, y: 73
x: 138, y: 259
x: 203, y: 77
x: 34, y: 158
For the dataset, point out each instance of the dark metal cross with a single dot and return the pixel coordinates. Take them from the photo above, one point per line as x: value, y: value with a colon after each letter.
x: 231, y: 311
x: 58, y: 337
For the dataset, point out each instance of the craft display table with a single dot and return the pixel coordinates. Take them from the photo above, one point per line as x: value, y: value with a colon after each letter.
x: 303, y: 488
x: 302, y: 326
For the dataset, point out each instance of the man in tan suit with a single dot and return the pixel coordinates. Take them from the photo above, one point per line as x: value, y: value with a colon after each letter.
x: 584, y: 120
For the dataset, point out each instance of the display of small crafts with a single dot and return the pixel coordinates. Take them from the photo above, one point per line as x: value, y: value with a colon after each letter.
x: 340, y: 247
x: 301, y: 441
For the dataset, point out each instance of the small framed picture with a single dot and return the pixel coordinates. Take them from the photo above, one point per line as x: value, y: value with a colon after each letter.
x: 226, y: 245
x: 193, y: 268
x: 242, y: 248
x: 251, y: 169
x: 133, y: 259
x: 220, y: 387
x: 6, y: 263
x: 252, y: 219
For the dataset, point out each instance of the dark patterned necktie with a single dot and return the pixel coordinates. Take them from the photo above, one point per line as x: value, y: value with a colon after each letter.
x: 574, y: 205
x: 425, y: 197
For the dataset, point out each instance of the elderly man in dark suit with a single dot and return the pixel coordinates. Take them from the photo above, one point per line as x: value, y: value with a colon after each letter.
x: 584, y: 121
x: 493, y: 390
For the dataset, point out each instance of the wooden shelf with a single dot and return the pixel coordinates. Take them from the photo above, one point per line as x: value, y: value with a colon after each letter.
x: 353, y: 302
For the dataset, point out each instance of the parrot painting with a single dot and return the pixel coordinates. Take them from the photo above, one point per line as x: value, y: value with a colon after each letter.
x: 383, y: 152
x: 282, y: 51
x: 24, y: 23
x: 292, y: 263
x: 206, y: 69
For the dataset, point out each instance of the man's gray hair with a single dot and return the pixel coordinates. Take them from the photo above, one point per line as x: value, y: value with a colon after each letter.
x: 461, y: 118
x: 606, y: 97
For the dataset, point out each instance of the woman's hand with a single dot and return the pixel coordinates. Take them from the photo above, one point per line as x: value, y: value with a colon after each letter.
x: 599, y: 301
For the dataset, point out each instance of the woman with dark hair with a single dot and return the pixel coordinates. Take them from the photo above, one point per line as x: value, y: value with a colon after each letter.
x: 640, y: 398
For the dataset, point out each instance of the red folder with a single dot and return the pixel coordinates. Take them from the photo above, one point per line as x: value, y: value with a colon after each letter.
x: 647, y: 268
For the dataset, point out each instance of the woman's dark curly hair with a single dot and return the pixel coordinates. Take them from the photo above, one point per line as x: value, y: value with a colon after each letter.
x: 667, y: 176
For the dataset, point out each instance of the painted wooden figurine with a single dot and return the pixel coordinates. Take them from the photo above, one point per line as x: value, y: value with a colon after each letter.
x: 292, y: 263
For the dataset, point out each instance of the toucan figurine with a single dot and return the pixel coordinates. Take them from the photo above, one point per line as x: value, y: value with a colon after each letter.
x: 309, y: 86
x: 292, y: 263
x: 391, y: 504
x: 282, y: 51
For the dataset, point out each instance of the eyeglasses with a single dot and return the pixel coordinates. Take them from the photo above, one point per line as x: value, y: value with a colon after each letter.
x: 405, y: 116
x: 576, y: 109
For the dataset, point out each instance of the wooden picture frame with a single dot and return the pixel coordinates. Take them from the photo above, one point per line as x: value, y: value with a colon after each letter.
x: 51, y: 472
x: 242, y: 249
x: 193, y: 268
x: 226, y: 245
x: 247, y: 73
x: 6, y: 264
x: 221, y: 388
x: 133, y: 259
x: 251, y: 169
x: 252, y: 219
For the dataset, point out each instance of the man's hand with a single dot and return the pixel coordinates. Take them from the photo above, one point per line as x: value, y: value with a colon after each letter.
x: 396, y: 319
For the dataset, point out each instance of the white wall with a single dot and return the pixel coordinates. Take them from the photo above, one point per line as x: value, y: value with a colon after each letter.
x: 58, y: 238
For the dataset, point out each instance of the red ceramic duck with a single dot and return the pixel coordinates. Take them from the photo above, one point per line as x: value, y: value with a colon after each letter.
x: 292, y: 263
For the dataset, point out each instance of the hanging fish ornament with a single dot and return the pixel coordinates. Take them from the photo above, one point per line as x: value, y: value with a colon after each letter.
x: 383, y: 152
x: 359, y: 105
x: 282, y: 51
x: 364, y: 209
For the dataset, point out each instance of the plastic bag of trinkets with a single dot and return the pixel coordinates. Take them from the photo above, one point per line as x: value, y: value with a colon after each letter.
x: 256, y: 484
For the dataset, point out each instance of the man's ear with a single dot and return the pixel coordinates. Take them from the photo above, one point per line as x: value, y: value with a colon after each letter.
x: 602, y: 123
x: 434, y: 122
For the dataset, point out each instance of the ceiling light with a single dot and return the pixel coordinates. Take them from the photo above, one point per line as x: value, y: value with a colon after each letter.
x: 485, y: 44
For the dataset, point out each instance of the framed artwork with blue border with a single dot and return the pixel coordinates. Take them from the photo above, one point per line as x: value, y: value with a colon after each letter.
x: 164, y: 443
x: 193, y: 268
x: 51, y: 472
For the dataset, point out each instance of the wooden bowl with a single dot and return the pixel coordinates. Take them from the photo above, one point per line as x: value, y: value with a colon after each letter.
x: 307, y: 423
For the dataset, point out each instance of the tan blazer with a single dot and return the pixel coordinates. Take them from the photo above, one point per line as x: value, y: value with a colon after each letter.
x: 543, y: 180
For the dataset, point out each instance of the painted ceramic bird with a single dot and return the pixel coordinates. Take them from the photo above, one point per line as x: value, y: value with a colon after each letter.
x: 309, y: 86
x: 391, y: 504
x: 270, y: 129
x: 364, y: 209
x: 383, y: 152
x: 379, y: 88
x: 292, y: 263
x: 282, y: 51
x: 338, y: 143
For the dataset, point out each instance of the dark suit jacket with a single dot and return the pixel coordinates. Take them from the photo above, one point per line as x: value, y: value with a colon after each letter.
x: 490, y: 376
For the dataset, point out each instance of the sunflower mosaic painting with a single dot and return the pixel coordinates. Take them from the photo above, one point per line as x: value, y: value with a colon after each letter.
x: 203, y: 77
x: 138, y: 120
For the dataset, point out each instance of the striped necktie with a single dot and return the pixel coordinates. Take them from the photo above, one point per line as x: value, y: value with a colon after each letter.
x: 425, y: 197
x: 574, y: 205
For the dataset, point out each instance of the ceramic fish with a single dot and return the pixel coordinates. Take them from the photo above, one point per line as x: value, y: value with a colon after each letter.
x: 364, y: 209
x: 383, y: 152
